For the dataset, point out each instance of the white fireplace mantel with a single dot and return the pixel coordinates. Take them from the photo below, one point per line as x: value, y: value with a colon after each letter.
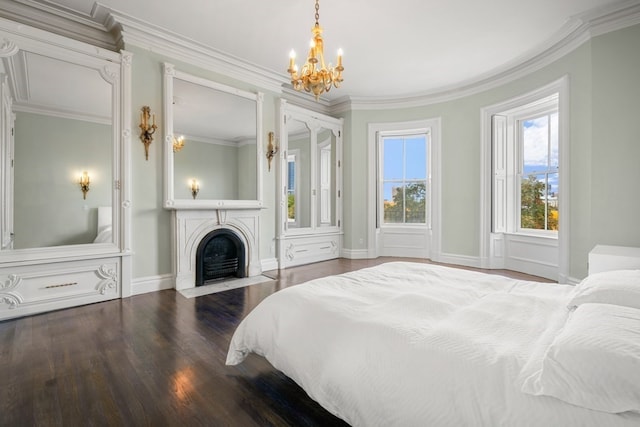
x: 190, y: 226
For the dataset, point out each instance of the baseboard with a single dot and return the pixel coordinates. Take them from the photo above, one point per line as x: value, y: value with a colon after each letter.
x: 269, y: 264
x: 144, y: 285
x: 467, y: 261
x: 355, y: 253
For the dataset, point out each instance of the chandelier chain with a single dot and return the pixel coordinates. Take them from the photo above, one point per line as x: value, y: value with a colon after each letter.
x: 317, y: 13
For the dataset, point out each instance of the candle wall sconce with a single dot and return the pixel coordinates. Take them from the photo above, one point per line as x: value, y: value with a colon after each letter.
x: 84, y: 182
x: 272, y: 149
x: 178, y: 143
x: 195, y: 188
x: 148, y: 128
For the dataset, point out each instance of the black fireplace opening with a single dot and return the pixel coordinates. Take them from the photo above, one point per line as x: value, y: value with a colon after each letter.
x: 221, y: 254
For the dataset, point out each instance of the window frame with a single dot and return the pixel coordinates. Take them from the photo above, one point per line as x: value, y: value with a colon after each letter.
x: 514, y: 151
x: 403, y: 133
x: 544, y: 110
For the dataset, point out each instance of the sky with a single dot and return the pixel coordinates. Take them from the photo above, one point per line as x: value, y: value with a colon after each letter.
x: 538, y: 152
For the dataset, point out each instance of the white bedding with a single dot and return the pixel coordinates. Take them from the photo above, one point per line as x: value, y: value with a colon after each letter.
x: 407, y: 344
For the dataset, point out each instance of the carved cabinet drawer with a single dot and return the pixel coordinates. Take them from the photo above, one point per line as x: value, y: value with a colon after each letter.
x: 307, y: 249
x: 28, y: 290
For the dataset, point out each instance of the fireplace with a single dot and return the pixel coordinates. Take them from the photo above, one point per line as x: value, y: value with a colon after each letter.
x: 193, y: 228
x: 220, y: 254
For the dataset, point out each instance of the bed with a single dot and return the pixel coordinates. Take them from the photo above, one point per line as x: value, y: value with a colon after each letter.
x: 411, y: 344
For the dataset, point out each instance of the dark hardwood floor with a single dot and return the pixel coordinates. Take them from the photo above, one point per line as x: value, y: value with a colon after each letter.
x: 154, y: 360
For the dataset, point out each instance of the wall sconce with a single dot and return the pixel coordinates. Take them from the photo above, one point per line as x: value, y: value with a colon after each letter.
x: 195, y: 188
x: 178, y: 143
x: 84, y: 182
x: 272, y: 149
x: 148, y: 129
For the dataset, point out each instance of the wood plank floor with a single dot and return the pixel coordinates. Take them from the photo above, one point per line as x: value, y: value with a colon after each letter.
x: 154, y: 360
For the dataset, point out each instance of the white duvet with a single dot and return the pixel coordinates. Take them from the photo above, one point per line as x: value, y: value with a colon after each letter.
x: 407, y: 344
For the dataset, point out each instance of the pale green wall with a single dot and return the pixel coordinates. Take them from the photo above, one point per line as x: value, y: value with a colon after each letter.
x: 214, y: 166
x: 151, y: 223
x: 50, y: 155
x: 246, y: 172
x: 604, y: 150
x: 615, y: 160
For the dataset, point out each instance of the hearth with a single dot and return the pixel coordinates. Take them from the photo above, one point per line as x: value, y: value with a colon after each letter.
x: 220, y: 254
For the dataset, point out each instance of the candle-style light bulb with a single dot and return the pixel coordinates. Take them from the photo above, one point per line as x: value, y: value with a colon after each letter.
x: 292, y: 59
x: 340, y: 57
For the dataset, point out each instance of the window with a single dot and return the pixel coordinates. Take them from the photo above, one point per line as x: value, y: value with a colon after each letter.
x: 539, y: 178
x: 526, y: 182
x: 403, y: 177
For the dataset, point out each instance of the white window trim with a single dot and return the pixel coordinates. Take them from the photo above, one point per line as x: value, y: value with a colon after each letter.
x: 434, y: 125
x: 561, y: 86
x: 380, y: 204
x: 514, y: 148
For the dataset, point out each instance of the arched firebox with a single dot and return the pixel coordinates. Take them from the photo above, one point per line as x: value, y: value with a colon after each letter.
x: 220, y: 254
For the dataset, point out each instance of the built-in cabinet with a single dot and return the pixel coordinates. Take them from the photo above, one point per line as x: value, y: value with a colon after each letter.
x: 309, y: 186
x: 64, y: 112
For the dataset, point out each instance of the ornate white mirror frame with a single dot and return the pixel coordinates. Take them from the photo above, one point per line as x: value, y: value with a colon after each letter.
x: 172, y: 200
x: 115, y: 69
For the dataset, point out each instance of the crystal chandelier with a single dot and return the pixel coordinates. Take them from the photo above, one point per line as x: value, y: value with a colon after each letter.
x: 315, y: 77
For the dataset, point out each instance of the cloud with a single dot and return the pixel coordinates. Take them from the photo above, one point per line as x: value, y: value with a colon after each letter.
x: 536, y: 133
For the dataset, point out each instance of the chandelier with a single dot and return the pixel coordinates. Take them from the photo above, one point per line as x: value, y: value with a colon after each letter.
x: 315, y: 77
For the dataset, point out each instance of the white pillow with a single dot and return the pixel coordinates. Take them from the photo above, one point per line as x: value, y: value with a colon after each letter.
x: 620, y: 287
x: 594, y: 362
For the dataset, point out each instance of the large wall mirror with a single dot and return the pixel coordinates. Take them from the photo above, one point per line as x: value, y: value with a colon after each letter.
x: 59, y: 120
x: 212, y: 144
x: 311, y: 142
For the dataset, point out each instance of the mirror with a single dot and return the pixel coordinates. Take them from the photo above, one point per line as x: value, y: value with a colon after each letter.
x: 327, y: 179
x: 298, y: 174
x: 57, y: 122
x: 311, y: 179
x: 219, y: 128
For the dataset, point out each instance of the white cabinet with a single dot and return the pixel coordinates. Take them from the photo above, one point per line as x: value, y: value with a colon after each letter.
x: 32, y: 289
x: 310, y: 187
x: 607, y: 258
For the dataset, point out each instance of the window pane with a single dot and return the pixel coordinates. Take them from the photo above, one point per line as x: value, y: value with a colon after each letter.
x: 392, y: 169
x: 415, y: 202
x: 553, y: 123
x: 552, y: 202
x: 393, y: 203
x: 415, y: 155
x: 532, y: 202
x: 291, y: 207
x: 291, y: 175
x: 535, y: 144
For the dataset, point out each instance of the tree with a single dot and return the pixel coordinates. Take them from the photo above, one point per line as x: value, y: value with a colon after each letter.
x: 411, y: 202
x: 534, y: 205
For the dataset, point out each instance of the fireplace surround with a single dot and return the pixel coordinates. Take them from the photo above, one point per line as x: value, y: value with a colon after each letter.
x: 193, y: 226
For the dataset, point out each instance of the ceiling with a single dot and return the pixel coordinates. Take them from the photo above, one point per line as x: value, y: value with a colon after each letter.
x: 391, y: 48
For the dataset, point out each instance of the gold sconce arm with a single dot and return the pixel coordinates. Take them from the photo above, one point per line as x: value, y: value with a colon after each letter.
x: 148, y: 128
x: 195, y: 188
x: 272, y: 149
x: 84, y: 182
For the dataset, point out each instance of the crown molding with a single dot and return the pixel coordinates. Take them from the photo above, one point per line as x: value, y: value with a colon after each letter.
x: 134, y: 31
x: 41, y: 14
x: 572, y: 35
